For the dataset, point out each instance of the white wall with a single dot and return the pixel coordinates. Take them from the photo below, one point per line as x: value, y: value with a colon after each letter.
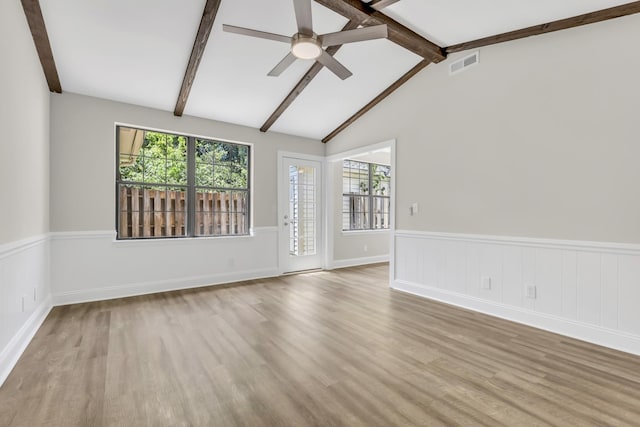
x: 88, y: 264
x: 24, y: 187
x: 83, y: 158
x: 539, y: 140
x: 24, y: 120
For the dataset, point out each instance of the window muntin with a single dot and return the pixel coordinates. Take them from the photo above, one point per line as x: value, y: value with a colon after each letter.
x: 302, y: 210
x: 171, y: 185
x: 221, y: 188
x: 365, y: 195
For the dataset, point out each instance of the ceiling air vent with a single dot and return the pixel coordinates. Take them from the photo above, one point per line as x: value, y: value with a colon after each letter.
x: 464, y: 63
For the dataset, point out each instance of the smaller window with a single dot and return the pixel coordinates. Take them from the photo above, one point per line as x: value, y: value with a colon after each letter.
x: 365, y: 195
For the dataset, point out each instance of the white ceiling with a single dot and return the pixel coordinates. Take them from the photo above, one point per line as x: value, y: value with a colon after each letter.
x: 137, y: 52
x: 131, y: 51
x: 449, y: 22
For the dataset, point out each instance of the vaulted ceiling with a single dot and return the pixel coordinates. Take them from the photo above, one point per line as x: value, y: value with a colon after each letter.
x: 143, y: 52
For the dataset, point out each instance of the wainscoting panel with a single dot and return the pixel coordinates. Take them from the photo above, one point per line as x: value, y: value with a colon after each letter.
x: 25, y: 298
x: 587, y: 290
x: 93, y: 266
x: 629, y: 294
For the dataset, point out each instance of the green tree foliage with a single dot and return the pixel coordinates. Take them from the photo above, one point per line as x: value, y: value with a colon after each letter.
x: 381, y: 179
x: 163, y: 160
x: 221, y: 164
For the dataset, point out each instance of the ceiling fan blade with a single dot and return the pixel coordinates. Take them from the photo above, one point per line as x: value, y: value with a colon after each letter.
x: 332, y: 64
x: 282, y: 65
x: 255, y: 33
x: 303, y: 16
x: 357, y: 35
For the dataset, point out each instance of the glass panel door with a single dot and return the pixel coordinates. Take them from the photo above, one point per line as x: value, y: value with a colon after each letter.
x: 302, y: 209
x: 300, y: 214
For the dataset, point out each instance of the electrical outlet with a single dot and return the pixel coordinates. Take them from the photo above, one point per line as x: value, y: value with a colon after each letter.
x: 24, y: 297
x: 413, y: 209
x: 366, y: 248
x: 485, y: 282
x: 530, y: 291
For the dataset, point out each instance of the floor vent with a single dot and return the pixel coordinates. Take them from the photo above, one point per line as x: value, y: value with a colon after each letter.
x: 464, y: 63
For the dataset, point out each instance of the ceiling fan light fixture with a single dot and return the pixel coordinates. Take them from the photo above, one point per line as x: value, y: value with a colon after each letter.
x: 306, y: 47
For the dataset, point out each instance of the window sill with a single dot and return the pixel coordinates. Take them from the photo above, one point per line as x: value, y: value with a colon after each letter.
x: 177, y: 240
x: 360, y: 232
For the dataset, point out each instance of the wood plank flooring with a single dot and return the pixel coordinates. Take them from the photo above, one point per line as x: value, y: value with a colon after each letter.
x: 326, y: 348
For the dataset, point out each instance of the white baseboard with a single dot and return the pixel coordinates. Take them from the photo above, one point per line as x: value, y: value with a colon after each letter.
x: 145, y: 288
x: 17, y: 345
x: 354, y: 262
x: 579, y: 330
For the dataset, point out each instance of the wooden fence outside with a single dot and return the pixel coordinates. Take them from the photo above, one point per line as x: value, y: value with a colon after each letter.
x: 163, y: 213
x: 356, y: 207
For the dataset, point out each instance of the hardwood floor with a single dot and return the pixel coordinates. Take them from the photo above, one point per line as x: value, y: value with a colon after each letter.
x: 324, y: 348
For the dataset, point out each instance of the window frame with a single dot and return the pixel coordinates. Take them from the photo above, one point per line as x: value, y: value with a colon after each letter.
x: 191, y: 186
x: 370, y: 196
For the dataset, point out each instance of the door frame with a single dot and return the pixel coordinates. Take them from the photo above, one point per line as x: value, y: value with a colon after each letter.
x: 329, y: 197
x: 321, y: 211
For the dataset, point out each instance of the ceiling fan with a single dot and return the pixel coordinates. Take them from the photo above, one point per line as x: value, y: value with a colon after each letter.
x: 305, y: 44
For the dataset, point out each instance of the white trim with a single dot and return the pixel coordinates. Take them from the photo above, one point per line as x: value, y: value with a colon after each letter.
x: 591, y: 333
x: 10, y: 355
x: 74, y: 235
x: 353, y: 262
x: 329, y: 206
x: 145, y: 288
x: 392, y: 214
x: 577, y: 245
x: 280, y: 198
x: 328, y: 215
x: 12, y: 248
x: 189, y: 239
x: 361, y: 232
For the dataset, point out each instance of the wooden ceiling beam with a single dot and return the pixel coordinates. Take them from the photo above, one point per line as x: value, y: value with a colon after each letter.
x: 199, y: 45
x: 303, y: 83
x: 563, y: 24
x: 388, y: 91
x: 359, y: 12
x: 33, y: 12
x: 381, y: 4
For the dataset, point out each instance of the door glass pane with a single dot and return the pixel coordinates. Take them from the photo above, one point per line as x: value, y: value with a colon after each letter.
x: 302, y: 209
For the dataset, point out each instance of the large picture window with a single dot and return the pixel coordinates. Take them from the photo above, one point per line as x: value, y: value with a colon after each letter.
x: 365, y: 195
x: 171, y: 185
